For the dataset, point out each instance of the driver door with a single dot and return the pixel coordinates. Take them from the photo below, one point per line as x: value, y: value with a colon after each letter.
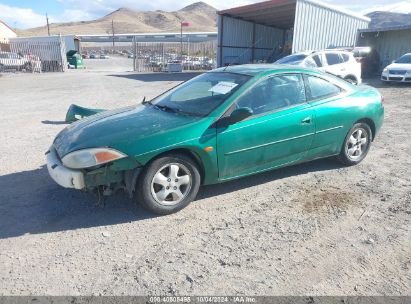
x: 279, y: 132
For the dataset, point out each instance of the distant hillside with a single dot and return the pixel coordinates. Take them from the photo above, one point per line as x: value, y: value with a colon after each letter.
x: 201, y: 15
x: 388, y: 19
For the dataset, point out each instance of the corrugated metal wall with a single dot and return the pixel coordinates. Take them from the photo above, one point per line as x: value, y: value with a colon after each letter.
x: 243, y: 42
x: 390, y: 45
x: 318, y: 27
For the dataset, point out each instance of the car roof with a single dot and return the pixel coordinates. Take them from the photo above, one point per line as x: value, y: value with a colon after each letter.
x: 256, y: 69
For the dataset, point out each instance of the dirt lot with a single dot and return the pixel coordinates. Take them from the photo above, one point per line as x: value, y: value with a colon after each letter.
x: 316, y: 228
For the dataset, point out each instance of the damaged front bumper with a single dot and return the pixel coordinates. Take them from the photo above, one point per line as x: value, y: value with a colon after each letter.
x: 65, y: 177
x: 120, y: 175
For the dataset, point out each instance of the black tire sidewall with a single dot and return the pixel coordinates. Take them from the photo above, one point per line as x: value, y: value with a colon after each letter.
x: 143, y: 189
x: 344, y: 158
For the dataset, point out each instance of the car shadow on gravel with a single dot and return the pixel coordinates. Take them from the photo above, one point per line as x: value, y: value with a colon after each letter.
x: 31, y: 203
x: 262, y: 178
x: 379, y: 84
x: 153, y: 77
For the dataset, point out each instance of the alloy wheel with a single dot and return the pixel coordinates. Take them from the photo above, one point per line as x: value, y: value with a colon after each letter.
x: 171, y: 184
x: 357, y: 144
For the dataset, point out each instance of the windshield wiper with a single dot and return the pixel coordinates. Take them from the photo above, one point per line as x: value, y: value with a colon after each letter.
x: 169, y: 109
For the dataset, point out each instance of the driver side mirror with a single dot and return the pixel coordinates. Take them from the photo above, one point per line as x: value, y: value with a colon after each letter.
x: 239, y: 115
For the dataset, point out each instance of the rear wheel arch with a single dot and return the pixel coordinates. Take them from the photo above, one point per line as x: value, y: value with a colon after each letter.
x: 352, y: 78
x: 370, y: 123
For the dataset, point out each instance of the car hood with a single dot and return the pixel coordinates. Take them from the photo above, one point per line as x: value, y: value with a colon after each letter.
x: 399, y: 66
x: 118, y: 129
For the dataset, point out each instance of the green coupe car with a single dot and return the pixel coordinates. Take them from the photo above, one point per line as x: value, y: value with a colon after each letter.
x: 219, y: 126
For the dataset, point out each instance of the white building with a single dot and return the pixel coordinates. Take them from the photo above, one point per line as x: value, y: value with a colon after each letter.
x: 6, y: 32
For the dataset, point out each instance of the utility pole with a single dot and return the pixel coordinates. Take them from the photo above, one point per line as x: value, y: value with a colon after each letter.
x: 181, y: 42
x: 112, y: 30
x: 48, y: 25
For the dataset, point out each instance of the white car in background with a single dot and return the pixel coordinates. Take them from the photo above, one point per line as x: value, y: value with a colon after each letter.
x: 399, y: 70
x: 340, y: 63
x: 13, y: 61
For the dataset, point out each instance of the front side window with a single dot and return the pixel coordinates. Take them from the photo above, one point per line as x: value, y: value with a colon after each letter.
x: 274, y: 93
x: 333, y: 58
x: 201, y: 95
x: 321, y: 88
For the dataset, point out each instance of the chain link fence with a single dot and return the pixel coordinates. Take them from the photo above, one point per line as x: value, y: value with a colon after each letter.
x: 158, y: 56
x: 33, y: 56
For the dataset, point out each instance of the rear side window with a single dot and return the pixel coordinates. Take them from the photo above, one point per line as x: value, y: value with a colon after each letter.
x: 333, y: 58
x: 319, y: 88
x: 345, y: 57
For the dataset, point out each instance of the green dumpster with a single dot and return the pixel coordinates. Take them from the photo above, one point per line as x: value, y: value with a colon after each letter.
x: 75, y: 60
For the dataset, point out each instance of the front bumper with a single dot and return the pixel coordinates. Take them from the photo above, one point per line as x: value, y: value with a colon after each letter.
x: 396, y: 78
x: 65, y: 177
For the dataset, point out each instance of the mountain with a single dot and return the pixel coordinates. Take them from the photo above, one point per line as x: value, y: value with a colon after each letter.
x: 388, y: 19
x: 202, y: 16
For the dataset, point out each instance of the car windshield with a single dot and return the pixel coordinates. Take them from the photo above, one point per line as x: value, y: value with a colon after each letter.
x: 292, y: 59
x: 202, y: 94
x: 404, y: 59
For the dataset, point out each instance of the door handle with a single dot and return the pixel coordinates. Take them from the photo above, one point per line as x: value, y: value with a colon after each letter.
x: 306, y: 121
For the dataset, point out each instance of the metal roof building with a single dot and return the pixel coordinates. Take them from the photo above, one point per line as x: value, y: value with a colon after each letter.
x: 390, y: 43
x: 258, y: 32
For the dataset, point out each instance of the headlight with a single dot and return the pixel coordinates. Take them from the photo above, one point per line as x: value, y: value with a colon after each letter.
x: 385, y: 70
x: 91, y: 157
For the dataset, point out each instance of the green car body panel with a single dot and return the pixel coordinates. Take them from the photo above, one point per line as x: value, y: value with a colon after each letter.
x: 304, y: 132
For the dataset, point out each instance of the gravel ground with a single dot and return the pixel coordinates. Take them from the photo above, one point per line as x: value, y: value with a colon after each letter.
x: 316, y: 228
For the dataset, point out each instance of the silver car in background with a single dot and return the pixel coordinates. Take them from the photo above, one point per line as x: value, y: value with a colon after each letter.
x: 399, y: 70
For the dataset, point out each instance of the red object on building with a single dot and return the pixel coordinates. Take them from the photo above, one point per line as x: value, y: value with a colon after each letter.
x: 185, y: 23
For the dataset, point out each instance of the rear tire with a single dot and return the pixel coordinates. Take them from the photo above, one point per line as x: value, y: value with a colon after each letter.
x: 356, y: 145
x: 168, y: 184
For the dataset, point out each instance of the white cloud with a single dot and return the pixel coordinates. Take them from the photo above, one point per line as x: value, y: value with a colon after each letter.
x: 20, y: 17
x: 100, y: 7
x: 72, y: 15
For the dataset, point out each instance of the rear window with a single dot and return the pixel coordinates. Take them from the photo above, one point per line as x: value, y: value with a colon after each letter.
x: 333, y: 58
x: 292, y: 59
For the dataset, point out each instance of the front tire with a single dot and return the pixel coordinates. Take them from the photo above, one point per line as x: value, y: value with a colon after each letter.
x: 168, y: 184
x: 356, y: 145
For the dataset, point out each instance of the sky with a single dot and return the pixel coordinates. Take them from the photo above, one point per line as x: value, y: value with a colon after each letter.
x: 31, y: 13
